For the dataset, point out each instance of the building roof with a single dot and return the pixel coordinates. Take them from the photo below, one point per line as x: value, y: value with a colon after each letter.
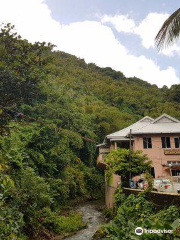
x: 148, y: 125
x: 122, y: 134
x: 159, y: 128
x: 164, y: 118
x: 162, y: 124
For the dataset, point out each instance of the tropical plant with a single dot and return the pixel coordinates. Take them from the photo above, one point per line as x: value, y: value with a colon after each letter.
x: 11, y: 219
x: 169, y: 31
x: 118, y: 163
x: 137, y: 211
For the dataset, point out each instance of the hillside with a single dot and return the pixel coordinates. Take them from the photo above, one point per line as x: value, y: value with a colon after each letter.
x: 112, y: 100
x: 54, y: 109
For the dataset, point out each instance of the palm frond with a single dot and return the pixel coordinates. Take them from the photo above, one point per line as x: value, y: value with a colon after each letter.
x: 169, y: 31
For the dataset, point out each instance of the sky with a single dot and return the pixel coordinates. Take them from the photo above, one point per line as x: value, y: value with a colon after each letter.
x: 110, y: 33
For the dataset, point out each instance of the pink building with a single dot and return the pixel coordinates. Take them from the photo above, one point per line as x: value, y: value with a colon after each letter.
x: 158, y: 138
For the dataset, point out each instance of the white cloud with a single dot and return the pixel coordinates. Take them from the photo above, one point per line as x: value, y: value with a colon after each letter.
x: 171, y: 51
x: 32, y: 19
x: 98, y: 44
x: 149, y: 28
x: 90, y: 40
x: 146, y: 30
x: 122, y: 23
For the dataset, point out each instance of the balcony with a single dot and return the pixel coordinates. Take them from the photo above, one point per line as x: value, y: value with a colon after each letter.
x: 104, y: 150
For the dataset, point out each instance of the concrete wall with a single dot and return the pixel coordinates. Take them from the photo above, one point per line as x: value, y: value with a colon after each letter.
x: 110, y: 187
x: 160, y: 199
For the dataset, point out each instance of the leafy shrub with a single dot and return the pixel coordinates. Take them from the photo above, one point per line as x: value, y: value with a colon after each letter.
x: 30, y: 196
x: 69, y: 224
x: 74, y: 180
x: 59, y: 191
x: 108, y: 213
x: 94, y: 182
x: 168, y: 215
x: 60, y: 224
x: 119, y: 197
x: 136, y: 211
x: 11, y: 219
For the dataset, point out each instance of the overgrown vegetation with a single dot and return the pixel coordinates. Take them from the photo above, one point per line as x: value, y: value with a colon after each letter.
x: 136, y: 211
x: 47, y: 153
x: 54, y: 108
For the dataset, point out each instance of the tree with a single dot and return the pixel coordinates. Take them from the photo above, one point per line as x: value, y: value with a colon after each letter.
x: 174, y: 93
x: 22, y: 69
x: 169, y: 31
x: 118, y: 162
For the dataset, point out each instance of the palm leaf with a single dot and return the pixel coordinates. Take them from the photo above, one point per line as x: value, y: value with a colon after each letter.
x: 169, y: 31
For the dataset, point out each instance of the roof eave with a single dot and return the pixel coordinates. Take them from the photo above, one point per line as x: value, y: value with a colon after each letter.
x: 142, y: 133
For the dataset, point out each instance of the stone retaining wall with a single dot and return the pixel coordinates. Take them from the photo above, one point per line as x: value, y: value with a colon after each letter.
x: 160, y: 199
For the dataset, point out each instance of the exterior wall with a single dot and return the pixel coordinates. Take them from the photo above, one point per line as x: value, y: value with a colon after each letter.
x: 113, y: 146
x: 156, y: 153
x: 110, y: 187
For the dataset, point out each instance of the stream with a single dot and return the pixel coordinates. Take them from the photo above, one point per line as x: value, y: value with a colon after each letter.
x: 93, y: 217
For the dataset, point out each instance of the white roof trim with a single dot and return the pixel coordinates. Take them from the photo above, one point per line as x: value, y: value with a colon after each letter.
x: 149, y: 133
x: 112, y: 135
x: 167, y: 116
x: 146, y: 117
x: 120, y: 139
x: 101, y: 144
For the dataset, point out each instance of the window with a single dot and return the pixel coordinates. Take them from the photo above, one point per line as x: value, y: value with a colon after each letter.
x: 147, y: 142
x: 175, y: 172
x: 124, y: 144
x: 173, y: 163
x: 153, y: 172
x: 177, y: 142
x: 166, y: 143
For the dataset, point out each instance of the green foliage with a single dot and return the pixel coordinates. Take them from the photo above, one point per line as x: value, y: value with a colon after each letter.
x: 54, y: 109
x: 21, y: 71
x: 135, y: 208
x: 136, y: 211
x: 150, y: 181
x: 62, y: 224
x: 30, y: 196
x: 94, y: 181
x: 11, y: 220
x: 69, y: 224
x: 75, y: 182
x: 119, y: 197
x: 108, y: 213
x: 174, y: 93
x: 59, y: 191
x: 167, y: 216
x: 118, y: 162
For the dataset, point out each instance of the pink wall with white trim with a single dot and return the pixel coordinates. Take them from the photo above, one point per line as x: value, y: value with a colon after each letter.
x: 156, y: 153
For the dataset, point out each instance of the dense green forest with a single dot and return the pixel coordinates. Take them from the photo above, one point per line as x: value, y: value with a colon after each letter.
x: 54, y: 109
